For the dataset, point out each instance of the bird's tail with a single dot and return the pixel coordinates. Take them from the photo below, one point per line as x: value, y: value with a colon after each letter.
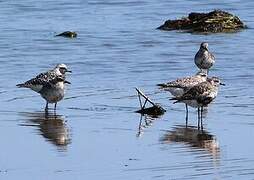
x: 21, y: 85
x: 168, y: 86
x: 162, y: 85
x: 176, y: 99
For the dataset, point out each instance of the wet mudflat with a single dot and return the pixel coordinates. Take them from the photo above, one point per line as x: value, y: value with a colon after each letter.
x: 95, y: 133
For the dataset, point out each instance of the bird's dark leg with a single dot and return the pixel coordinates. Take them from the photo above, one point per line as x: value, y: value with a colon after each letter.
x: 202, y: 109
x: 187, y: 115
x: 198, y: 117
x: 46, y: 107
x: 46, y: 114
x: 55, y: 106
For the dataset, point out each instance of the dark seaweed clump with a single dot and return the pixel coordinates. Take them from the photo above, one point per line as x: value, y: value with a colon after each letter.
x: 212, y: 22
x: 155, y: 110
x: 68, y: 34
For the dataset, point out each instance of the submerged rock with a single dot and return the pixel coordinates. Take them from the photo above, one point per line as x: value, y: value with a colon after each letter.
x: 212, y: 22
x: 68, y: 34
x: 155, y: 110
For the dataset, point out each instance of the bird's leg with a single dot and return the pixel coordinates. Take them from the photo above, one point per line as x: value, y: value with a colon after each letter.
x: 46, y: 114
x: 201, y: 112
x: 187, y: 114
x: 202, y: 109
x: 46, y: 107
x: 55, y: 106
x: 198, y: 117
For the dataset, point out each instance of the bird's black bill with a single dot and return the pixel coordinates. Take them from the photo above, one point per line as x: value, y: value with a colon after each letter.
x: 69, y: 71
x: 67, y: 82
x: 222, y: 84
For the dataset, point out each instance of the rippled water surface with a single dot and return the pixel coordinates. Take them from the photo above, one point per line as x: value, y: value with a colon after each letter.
x: 95, y: 133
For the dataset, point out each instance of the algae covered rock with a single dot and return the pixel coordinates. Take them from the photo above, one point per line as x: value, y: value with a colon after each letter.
x: 155, y: 110
x: 68, y: 34
x: 212, y: 22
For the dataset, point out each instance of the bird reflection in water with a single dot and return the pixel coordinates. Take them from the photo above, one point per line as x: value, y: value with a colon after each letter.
x: 193, y: 137
x: 51, y: 126
x: 145, y: 121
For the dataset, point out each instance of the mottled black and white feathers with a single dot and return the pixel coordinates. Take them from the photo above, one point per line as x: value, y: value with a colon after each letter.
x: 181, y: 85
x: 50, y: 84
x: 201, y: 94
x: 44, y: 79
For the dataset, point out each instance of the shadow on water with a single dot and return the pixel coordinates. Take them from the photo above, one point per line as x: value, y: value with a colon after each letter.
x: 194, y: 138
x: 51, y: 126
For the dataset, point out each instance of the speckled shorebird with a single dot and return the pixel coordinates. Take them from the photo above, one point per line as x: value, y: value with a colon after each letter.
x: 178, y: 87
x: 50, y: 85
x: 200, y: 95
x: 203, y: 58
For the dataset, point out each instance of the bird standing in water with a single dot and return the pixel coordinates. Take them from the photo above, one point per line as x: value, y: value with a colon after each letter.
x: 200, y: 95
x: 179, y: 86
x: 50, y: 84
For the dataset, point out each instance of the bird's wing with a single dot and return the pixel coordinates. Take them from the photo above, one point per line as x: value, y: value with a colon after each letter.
x: 47, y: 76
x: 53, y: 80
x: 41, y: 80
x: 178, y: 83
x: 211, y: 56
x: 35, y: 84
x: 200, y: 56
x: 195, y: 92
x: 196, y: 55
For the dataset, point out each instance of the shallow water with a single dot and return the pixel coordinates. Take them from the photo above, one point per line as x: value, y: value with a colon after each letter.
x: 95, y: 133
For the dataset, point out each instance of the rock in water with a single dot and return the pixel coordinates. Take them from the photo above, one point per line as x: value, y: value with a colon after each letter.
x: 68, y: 34
x: 213, y: 22
x: 155, y: 110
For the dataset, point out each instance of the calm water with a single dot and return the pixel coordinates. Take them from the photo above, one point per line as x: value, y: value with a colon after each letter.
x: 95, y: 134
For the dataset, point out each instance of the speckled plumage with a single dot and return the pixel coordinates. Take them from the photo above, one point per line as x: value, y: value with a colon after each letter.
x: 53, y: 90
x: 181, y: 85
x: 37, y: 83
x: 203, y: 58
x: 50, y: 84
x: 201, y: 94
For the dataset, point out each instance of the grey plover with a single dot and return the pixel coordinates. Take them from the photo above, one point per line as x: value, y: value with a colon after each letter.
x: 178, y: 87
x: 200, y: 95
x: 203, y: 58
x: 50, y: 85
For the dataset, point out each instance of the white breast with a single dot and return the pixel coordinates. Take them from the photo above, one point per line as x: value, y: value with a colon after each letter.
x: 54, y: 94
